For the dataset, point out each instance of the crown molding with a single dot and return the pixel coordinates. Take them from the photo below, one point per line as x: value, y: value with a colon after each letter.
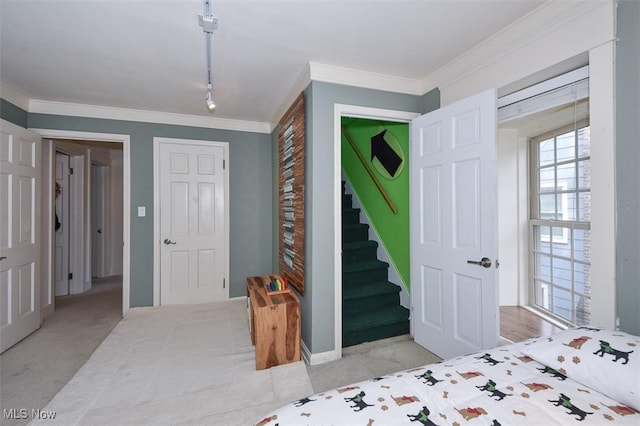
x: 11, y: 95
x: 540, y: 22
x: 110, y: 113
x: 366, y: 79
x: 345, y: 76
x: 300, y: 84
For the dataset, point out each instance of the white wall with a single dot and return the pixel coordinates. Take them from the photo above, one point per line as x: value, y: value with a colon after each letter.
x: 556, y: 32
x: 510, y: 226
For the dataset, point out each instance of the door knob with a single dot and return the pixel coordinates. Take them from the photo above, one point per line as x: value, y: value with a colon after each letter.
x: 485, y: 262
x: 168, y: 241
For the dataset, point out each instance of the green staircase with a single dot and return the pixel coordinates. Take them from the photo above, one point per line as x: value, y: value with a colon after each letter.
x: 371, y: 307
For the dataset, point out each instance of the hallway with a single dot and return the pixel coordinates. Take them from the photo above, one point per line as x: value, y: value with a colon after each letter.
x: 34, y: 370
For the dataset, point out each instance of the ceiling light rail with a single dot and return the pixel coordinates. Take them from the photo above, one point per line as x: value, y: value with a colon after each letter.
x: 209, y: 23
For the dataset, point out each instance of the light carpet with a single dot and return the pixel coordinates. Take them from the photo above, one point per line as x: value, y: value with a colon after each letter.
x: 177, y: 365
x: 369, y: 360
x: 35, y: 369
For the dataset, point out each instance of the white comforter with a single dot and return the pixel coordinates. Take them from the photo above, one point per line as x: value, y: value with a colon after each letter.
x: 500, y: 387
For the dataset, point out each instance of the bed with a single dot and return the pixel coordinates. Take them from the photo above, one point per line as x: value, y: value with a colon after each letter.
x: 586, y: 376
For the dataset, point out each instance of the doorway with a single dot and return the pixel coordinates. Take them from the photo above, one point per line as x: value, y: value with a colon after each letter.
x: 353, y: 111
x: 121, y: 249
x: 88, y: 213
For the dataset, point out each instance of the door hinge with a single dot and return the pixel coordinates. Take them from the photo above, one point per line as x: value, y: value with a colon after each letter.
x: 70, y: 170
x: 224, y: 283
x: 70, y: 276
x: 224, y: 164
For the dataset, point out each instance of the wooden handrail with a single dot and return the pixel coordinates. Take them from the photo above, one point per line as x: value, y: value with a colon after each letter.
x: 367, y: 167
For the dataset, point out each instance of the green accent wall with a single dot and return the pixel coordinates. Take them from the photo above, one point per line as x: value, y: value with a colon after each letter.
x: 392, y: 228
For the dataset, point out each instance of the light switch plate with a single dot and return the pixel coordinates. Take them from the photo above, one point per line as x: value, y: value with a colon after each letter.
x: 142, y: 211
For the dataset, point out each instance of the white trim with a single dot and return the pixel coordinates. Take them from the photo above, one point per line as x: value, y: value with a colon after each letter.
x: 126, y: 189
x: 111, y: 113
x: 12, y: 95
x: 238, y: 298
x: 475, y: 69
x: 319, y: 358
x: 369, y: 80
x: 156, y: 209
x: 603, y: 185
x: 340, y: 110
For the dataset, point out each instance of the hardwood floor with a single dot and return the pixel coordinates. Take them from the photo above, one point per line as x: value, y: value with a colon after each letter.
x: 518, y: 324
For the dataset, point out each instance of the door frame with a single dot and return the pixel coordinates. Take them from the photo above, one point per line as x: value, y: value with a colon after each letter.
x: 48, y: 178
x: 156, y: 208
x: 369, y: 113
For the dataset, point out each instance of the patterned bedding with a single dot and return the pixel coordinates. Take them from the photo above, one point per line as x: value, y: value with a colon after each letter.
x: 502, y: 386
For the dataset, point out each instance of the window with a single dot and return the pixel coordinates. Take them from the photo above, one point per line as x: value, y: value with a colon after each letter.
x: 560, y: 223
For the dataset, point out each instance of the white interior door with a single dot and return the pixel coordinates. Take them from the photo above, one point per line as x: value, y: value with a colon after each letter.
x: 98, y: 209
x: 20, y: 241
x: 192, y: 222
x: 453, y: 222
x: 62, y: 232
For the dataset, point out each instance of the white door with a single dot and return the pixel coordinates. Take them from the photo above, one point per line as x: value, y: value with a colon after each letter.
x: 61, y: 255
x: 192, y: 222
x: 20, y: 241
x: 453, y: 222
x: 98, y: 209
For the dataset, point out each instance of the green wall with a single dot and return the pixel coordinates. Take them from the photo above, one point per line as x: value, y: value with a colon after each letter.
x: 627, y: 160
x: 392, y: 228
x: 250, y: 197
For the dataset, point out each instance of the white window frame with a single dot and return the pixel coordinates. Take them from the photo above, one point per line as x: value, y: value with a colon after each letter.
x: 535, y: 221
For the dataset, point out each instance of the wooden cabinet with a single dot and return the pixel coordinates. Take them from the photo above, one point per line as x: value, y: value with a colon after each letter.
x: 274, y: 324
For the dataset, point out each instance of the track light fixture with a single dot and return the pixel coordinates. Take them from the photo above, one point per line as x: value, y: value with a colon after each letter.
x: 210, y: 104
x: 208, y: 22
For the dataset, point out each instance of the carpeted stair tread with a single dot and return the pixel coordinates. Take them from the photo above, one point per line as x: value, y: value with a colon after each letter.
x: 358, y: 245
x: 370, y: 303
x: 376, y: 318
x: 371, y: 289
x: 364, y: 266
x: 352, y: 226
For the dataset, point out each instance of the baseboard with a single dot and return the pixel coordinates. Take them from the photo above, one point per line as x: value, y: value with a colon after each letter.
x: 238, y: 298
x: 319, y: 358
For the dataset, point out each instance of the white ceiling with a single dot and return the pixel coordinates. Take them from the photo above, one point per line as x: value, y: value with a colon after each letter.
x: 150, y: 55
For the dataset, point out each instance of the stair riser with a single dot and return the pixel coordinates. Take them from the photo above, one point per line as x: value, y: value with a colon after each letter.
x: 360, y: 255
x: 360, y: 277
x: 352, y: 235
x: 369, y: 303
x: 350, y: 216
x: 346, y: 201
x: 350, y: 338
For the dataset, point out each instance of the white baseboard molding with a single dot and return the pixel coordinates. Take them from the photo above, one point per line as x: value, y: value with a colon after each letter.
x: 238, y: 298
x: 315, y: 359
